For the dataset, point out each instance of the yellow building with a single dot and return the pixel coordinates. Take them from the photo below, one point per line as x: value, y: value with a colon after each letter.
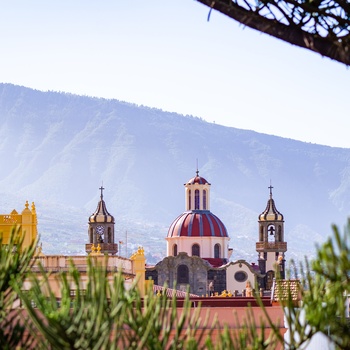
x: 26, y: 222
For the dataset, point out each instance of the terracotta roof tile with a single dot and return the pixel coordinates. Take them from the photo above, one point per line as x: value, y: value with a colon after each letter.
x: 282, y: 290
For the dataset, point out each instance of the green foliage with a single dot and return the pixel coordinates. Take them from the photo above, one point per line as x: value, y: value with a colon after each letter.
x: 106, y: 315
x: 326, y: 285
x: 14, y: 262
x: 329, y: 284
x: 103, y: 314
x: 79, y: 322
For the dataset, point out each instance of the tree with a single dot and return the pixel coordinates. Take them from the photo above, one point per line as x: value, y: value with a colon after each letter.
x: 322, y: 26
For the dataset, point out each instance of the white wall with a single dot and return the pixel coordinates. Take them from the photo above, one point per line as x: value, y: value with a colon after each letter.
x: 231, y: 283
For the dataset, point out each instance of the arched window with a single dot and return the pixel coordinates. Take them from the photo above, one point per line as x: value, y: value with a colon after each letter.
x: 195, y: 250
x: 109, y: 236
x: 189, y: 200
x: 217, y: 250
x: 175, y: 249
x: 271, y: 233
x: 91, y: 235
x: 182, y: 274
x: 196, y: 199
x: 204, y: 200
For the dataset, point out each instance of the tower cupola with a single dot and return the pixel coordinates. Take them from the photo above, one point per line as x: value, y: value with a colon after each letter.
x: 101, y: 230
x: 271, y: 245
x: 101, y: 214
x: 270, y: 213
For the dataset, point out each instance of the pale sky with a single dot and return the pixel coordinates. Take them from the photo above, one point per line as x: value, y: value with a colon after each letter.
x: 165, y: 54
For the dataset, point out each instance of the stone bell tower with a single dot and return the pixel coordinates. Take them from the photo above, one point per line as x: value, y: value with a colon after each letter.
x: 271, y: 245
x: 101, y: 230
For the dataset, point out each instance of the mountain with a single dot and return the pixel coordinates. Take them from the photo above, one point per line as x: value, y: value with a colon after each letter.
x: 56, y: 149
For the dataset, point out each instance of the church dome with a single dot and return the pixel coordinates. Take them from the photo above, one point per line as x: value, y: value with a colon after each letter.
x: 201, y: 223
x: 270, y: 213
x: 197, y: 180
x: 101, y: 214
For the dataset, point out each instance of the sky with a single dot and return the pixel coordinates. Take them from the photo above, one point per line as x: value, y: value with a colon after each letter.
x: 166, y: 54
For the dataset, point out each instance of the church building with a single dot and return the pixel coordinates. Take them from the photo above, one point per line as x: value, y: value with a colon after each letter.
x: 198, y: 250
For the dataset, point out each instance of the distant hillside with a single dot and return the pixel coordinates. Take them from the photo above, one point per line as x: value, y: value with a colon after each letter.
x: 57, y: 148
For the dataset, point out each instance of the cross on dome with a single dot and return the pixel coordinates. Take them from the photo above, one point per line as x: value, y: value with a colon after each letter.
x: 270, y: 187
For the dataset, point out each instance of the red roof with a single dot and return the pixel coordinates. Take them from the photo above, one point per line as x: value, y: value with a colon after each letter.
x: 216, y: 262
x: 197, y: 180
x: 197, y: 224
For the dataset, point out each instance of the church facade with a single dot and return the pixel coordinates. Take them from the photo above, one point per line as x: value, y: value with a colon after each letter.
x: 198, y: 250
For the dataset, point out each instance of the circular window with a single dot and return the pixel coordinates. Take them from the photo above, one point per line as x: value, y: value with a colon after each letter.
x: 241, y: 276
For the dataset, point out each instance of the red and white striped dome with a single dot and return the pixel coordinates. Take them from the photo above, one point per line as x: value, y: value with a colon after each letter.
x: 200, y: 223
x: 197, y: 180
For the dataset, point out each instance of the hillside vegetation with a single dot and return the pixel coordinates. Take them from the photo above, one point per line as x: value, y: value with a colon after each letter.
x: 57, y: 149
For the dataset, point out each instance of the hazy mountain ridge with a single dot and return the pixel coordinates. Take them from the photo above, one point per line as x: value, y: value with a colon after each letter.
x: 58, y: 148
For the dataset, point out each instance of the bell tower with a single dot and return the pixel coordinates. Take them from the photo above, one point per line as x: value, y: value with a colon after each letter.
x: 101, y: 230
x: 271, y: 245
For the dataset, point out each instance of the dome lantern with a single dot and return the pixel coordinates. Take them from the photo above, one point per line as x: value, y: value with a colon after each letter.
x: 197, y: 193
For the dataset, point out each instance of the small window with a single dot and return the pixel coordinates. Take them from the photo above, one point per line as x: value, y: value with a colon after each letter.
x: 182, y: 274
x: 109, y: 236
x: 195, y: 250
x: 241, y: 276
x: 175, y: 250
x: 196, y: 199
x: 204, y: 200
x: 217, y: 249
x: 189, y: 200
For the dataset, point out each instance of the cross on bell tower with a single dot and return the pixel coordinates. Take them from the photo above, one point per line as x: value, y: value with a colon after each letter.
x: 101, y: 189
